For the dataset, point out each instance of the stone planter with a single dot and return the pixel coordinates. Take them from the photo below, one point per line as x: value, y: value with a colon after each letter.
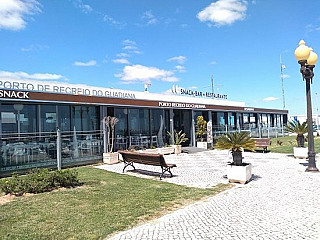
x: 300, y: 152
x: 202, y: 145
x: 110, y: 158
x: 239, y: 174
x: 177, y: 149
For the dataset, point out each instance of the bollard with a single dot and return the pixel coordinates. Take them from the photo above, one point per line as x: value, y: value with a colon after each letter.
x: 58, y: 149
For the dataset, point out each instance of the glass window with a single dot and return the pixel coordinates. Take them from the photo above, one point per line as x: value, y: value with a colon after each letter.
x: 201, y: 113
x: 232, y: 117
x: 64, y: 118
x: 246, y: 118
x: 264, y: 119
x: 252, y: 118
x: 139, y: 121
x: 221, y: 118
x: 157, y: 119
x: 18, y: 118
x: 121, y: 127
x: 48, y: 118
x: 159, y: 126
x: 86, y: 118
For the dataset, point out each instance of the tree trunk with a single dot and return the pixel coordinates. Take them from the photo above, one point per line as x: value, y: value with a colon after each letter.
x: 237, y: 158
x: 300, y: 140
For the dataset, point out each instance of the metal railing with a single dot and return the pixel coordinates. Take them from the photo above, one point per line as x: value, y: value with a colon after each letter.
x: 46, y: 149
x: 255, y: 131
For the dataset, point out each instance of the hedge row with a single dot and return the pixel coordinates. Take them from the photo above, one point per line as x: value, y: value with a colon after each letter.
x: 39, y: 180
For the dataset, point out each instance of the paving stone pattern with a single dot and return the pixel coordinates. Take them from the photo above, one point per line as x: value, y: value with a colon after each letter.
x: 282, y: 201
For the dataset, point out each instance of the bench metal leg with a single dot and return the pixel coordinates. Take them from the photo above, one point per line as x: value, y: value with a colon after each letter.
x: 168, y: 169
x: 128, y: 164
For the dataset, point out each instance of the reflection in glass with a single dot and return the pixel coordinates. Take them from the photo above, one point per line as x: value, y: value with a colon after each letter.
x: 25, y: 115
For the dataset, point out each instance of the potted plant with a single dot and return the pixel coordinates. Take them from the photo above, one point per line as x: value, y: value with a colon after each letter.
x: 299, y: 129
x: 237, y: 171
x: 201, y: 130
x: 109, y: 156
x: 176, y: 139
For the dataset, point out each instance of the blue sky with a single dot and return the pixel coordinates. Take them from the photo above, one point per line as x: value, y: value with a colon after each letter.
x: 125, y: 43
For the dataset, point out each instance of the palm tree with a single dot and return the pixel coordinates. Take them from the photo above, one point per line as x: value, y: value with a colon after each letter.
x: 178, y: 137
x: 236, y: 142
x: 113, y: 122
x: 110, y: 123
x: 299, y: 129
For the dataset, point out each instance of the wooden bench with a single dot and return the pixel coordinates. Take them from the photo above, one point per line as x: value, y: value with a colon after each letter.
x: 263, y: 143
x: 146, y: 158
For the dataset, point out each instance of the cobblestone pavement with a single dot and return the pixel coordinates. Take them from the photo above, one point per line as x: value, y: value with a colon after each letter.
x: 282, y: 201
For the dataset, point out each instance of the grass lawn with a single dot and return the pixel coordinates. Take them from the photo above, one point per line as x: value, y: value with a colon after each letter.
x: 106, y: 203
x: 288, y: 142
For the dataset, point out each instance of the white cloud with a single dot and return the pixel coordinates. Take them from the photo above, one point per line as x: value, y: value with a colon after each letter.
x: 170, y: 79
x: 224, y: 12
x: 149, y: 17
x: 180, y: 68
x: 270, y: 99
x: 140, y: 73
x: 130, y: 47
x: 13, y: 13
x: 121, y: 60
x: 111, y: 21
x: 85, y: 64
x: 121, y: 55
x: 179, y: 59
x: 35, y: 76
x: 312, y: 28
x: 128, y: 42
x: 85, y: 8
x: 34, y: 47
x: 213, y: 62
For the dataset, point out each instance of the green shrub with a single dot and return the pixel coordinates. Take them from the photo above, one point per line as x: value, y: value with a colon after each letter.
x: 14, y: 185
x: 38, y: 181
x: 66, y: 178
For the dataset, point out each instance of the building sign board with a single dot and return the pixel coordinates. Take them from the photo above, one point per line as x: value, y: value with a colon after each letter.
x: 195, y: 93
x: 182, y: 105
x: 13, y: 94
x: 65, y: 88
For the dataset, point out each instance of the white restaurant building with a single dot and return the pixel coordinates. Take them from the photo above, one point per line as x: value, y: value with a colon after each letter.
x: 32, y: 111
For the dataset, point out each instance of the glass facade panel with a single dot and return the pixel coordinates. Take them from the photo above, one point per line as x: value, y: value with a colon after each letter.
x: 86, y: 118
x: 264, y: 120
x: 121, y: 128
x: 201, y: 113
x: 182, y: 121
x: 48, y: 118
x: 139, y: 121
x: 18, y: 118
x: 159, y: 127
x: 221, y: 118
x: 64, y: 118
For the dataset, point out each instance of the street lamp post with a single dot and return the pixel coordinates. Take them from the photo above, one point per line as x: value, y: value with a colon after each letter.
x: 307, y: 60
